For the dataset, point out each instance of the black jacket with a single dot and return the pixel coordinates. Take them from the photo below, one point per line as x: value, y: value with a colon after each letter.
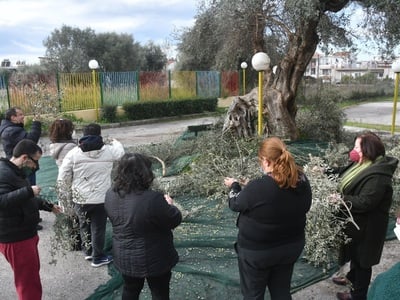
x: 369, y: 196
x: 12, y: 133
x: 142, y: 232
x: 270, y: 216
x: 19, y: 209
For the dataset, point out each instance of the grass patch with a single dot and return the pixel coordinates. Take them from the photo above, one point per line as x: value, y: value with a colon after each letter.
x: 347, y: 103
x: 378, y: 127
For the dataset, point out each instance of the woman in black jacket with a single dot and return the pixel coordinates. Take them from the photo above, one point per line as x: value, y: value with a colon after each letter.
x: 271, y: 222
x: 142, y: 222
x: 366, y: 186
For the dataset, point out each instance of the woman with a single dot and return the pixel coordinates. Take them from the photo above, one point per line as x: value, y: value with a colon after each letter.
x: 142, y: 222
x: 366, y: 186
x: 271, y: 222
x: 60, y: 134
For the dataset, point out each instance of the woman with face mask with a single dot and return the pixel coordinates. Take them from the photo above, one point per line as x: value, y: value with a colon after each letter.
x: 366, y: 188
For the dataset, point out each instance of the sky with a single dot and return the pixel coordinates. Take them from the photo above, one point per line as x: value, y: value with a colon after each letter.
x: 25, y: 24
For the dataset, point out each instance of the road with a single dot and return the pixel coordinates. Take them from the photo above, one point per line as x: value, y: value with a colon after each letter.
x: 145, y: 132
x: 373, y: 113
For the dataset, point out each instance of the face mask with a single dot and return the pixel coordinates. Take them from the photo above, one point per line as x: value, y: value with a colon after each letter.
x: 354, y: 156
x: 27, y: 171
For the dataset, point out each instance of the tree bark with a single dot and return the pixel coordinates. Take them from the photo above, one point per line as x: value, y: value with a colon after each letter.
x: 280, y: 88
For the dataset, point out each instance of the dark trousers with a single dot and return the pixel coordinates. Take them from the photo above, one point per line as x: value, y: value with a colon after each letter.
x: 272, y: 268
x: 92, y: 225
x: 360, y: 279
x: 159, y: 287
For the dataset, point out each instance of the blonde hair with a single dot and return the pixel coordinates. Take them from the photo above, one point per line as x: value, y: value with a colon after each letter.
x: 285, y: 171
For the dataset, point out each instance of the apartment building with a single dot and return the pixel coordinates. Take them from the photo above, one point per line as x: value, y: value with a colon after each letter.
x: 332, y: 68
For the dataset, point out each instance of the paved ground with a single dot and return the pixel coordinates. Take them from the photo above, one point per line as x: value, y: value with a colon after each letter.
x: 373, y: 113
x: 73, y: 278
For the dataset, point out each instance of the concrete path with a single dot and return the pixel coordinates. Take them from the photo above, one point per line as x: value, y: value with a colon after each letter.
x: 373, y: 113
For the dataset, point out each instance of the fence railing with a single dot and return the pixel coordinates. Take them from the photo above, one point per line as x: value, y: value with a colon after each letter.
x: 78, y: 91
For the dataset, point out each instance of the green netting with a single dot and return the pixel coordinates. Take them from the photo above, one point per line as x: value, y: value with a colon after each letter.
x: 386, y: 285
x: 208, y: 266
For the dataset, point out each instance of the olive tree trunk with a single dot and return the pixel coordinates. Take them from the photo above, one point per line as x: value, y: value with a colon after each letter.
x: 279, y: 89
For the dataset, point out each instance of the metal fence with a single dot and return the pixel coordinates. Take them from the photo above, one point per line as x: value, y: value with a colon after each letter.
x: 78, y: 91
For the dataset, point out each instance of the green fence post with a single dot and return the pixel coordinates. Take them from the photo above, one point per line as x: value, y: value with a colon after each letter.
x: 7, y: 91
x: 138, y: 85
x: 197, y: 86
x: 58, y: 91
x: 169, y: 85
x: 101, y: 89
x: 220, y: 83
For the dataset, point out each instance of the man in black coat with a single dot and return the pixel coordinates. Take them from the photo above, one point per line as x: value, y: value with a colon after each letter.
x: 19, y: 215
x: 12, y: 131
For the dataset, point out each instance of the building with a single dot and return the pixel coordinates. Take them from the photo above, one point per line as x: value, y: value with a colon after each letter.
x: 6, y: 64
x: 333, y: 68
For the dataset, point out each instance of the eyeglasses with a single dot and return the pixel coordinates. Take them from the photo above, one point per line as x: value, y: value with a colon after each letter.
x: 36, y: 162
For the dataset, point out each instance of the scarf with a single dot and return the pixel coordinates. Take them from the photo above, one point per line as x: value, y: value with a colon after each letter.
x: 352, y: 173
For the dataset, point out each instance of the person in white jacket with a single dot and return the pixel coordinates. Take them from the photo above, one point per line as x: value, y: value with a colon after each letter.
x: 86, y: 172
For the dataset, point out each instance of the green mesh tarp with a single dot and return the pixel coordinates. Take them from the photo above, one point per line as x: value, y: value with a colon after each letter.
x: 386, y: 285
x: 208, y: 266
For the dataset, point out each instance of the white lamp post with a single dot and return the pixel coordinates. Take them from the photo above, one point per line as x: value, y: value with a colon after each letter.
x: 243, y: 65
x: 396, y: 70
x: 260, y: 62
x: 94, y: 65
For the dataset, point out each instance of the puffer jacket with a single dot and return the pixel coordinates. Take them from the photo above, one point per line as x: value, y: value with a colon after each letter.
x: 19, y: 208
x: 142, y: 232
x: 12, y: 133
x: 88, y: 174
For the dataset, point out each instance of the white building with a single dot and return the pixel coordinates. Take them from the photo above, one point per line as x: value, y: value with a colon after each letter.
x: 332, y: 68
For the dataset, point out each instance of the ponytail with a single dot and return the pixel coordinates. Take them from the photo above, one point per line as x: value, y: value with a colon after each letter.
x: 285, y: 171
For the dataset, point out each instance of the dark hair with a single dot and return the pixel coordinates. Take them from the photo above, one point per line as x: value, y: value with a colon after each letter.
x: 61, y: 130
x: 133, y: 173
x: 12, y: 111
x: 26, y: 146
x: 92, y: 129
x: 371, y: 145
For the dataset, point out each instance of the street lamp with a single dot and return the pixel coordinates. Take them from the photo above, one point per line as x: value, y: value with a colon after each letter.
x: 94, y: 65
x: 260, y: 62
x: 243, y: 65
x: 396, y: 70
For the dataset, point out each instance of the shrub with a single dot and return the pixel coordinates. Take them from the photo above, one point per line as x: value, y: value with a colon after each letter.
x: 157, y: 109
x: 322, y: 118
x: 109, y: 113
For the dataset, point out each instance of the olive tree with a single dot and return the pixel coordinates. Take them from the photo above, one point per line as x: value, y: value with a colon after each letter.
x: 290, y: 32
